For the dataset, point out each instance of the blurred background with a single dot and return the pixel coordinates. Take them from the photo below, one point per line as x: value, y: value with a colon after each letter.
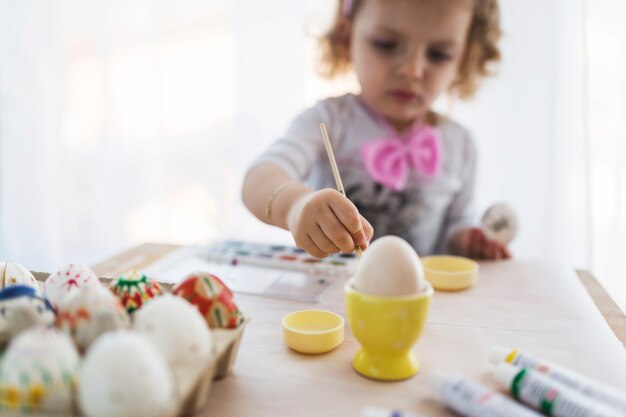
x: 123, y: 122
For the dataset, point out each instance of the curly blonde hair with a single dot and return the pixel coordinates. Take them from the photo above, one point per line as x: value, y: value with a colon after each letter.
x: 481, y: 49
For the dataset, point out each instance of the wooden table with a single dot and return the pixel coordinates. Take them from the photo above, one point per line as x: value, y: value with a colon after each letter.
x: 143, y: 255
x: 524, y: 304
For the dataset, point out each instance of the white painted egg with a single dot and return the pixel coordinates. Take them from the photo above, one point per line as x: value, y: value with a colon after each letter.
x: 500, y: 223
x: 389, y: 267
x: 39, y: 371
x: 180, y: 332
x: 125, y: 375
x: 12, y: 273
x: 88, y: 312
x: 67, y: 279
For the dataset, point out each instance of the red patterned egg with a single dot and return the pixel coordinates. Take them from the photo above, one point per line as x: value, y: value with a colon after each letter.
x: 212, y: 298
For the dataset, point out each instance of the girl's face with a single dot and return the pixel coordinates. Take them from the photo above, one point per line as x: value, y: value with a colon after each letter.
x: 407, y: 52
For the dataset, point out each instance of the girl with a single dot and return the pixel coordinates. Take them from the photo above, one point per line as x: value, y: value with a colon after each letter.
x: 407, y: 171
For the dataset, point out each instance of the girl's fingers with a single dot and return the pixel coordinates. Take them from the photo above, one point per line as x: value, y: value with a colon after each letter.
x: 311, y: 247
x: 496, y: 251
x: 350, y: 219
x: 478, y: 244
x: 336, y: 233
x: 322, y: 241
x: 478, y: 250
x: 368, y: 230
x: 462, y: 243
x: 346, y: 230
x: 502, y: 252
x: 475, y: 245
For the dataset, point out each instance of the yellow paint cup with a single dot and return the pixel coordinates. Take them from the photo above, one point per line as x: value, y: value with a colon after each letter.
x: 387, y: 328
x: 450, y: 273
x: 313, y: 331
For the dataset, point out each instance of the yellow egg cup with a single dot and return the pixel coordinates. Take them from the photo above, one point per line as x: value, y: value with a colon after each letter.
x: 450, y: 273
x: 313, y: 331
x: 387, y: 328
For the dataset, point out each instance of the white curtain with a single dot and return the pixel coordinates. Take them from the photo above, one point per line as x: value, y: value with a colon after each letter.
x: 606, y: 116
x: 133, y: 121
x: 130, y: 121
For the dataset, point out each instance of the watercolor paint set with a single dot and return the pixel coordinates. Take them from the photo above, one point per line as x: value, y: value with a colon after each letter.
x: 264, y: 269
x: 277, y: 256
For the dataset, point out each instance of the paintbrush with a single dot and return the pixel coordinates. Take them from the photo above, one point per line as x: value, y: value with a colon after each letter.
x: 333, y: 166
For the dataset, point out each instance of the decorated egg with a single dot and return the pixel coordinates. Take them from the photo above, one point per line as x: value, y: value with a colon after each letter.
x: 67, y: 279
x: 500, y: 223
x: 39, y: 372
x: 180, y: 333
x: 389, y: 267
x: 212, y: 298
x: 125, y: 375
x: 12, y: 273
x: 87, y: 313
x: 20, y: 308
x: 134, y: 288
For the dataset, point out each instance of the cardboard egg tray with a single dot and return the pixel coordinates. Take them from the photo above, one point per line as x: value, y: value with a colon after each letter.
x: 225, y: 346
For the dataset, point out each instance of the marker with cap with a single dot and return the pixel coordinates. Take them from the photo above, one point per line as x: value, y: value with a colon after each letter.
x: 589, y: 388
x: 471, y: 399
x: 549, y: 396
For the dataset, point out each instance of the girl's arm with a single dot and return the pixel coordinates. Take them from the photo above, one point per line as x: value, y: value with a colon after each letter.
x: 462, y: 237
x: 269, y: 182
x: 321, y: 222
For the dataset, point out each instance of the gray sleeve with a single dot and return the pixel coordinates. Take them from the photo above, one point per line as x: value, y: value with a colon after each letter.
x: 461, y: 211
x: 299, y: 149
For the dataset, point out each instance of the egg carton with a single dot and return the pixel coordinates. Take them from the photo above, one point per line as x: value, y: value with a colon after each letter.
x: 225, y: 347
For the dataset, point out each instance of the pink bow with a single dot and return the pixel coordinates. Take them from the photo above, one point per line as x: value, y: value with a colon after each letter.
x: 389, y: 160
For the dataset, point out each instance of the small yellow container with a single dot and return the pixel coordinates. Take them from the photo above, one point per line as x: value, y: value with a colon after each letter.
x: 313, y: 331
x: 387, y: 327
x: 450, y: 273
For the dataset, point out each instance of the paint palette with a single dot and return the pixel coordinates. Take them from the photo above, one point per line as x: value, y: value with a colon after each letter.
x: 268, y: 270
x: 235, y: 252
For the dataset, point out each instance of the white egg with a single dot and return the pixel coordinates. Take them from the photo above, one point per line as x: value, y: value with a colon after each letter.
x: 12, y: 273
x: 125, y: 375
x: 389, y: 267
x: 67, y: 279
x: 179, y: 331
x: 40, y: 368
x: 500, y: 223
x: 88, y: 312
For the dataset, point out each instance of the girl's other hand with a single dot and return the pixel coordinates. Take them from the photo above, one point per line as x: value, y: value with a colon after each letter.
x: 473, y: 243
x: 326, y: 222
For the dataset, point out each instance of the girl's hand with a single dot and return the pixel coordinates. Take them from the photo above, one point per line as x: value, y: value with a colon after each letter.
x: 326, y: 222
x: 473, y: 243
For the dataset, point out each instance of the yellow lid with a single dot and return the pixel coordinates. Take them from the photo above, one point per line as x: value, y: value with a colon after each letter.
x: 450, y: 273
x: 313, y: 331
